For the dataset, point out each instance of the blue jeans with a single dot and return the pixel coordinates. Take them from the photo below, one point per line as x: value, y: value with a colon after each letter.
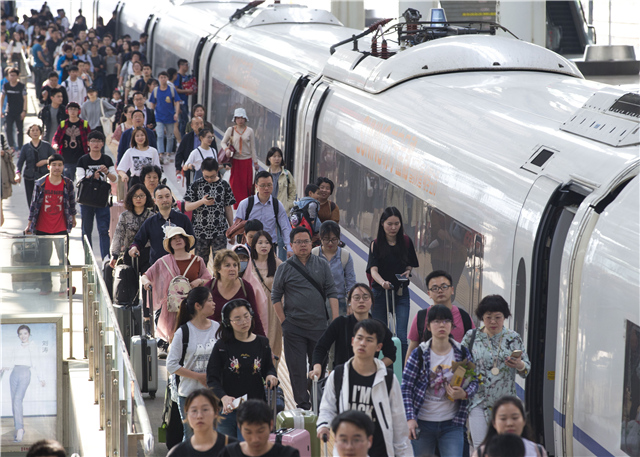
x: 69, y: 171
x: 187, y: 430
x: 183, y: 117
x: 164, y: 131
x: 403, y: 306
x: 342, y: 306
x: 103, y: 218
x: 229, y: 426
x: 12, y: 123
x: 448, y: 436
x: 18, y: 383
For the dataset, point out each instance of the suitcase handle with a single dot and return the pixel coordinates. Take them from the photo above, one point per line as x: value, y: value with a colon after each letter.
x: 147, y: 309
x: 315, y: 395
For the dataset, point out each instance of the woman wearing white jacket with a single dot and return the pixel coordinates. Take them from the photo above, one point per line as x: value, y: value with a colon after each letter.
x: 364, y: 383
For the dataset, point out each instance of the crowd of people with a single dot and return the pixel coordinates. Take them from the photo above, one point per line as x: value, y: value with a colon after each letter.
x: 259, y: 282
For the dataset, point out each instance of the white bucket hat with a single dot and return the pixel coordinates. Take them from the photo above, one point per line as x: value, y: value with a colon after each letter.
x: 239, y: 112
x: 174, y: 231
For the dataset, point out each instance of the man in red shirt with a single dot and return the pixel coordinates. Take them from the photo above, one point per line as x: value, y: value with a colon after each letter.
x: 52, y: 212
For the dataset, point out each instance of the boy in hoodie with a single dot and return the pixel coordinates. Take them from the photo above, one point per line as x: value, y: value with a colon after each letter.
x: 434, y: 419
x: 365, y: 384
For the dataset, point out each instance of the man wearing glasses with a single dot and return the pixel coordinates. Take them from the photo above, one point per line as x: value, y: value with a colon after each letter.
x: 305, y: 282
x: 440, y: 289
x: 267, y: 209
x: 100, y: 166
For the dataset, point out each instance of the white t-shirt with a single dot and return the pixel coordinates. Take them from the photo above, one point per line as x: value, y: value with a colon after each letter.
x: 134, y: 159
x: 437, y: 407
x: 198, y: 155
x: 196, y: 359
x: 76, y: 90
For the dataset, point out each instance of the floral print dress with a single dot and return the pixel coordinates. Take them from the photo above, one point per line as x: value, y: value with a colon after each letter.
x: 485, y: 350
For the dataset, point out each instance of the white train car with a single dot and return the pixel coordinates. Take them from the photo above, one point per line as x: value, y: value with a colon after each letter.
x: 512, y: 172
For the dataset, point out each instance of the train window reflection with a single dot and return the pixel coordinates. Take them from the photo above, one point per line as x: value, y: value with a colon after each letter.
x: 630, y: 439
x: 264, y: 122
x: 442, y: 243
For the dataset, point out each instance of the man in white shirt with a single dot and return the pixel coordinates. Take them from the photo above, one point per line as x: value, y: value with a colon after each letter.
x: 75, y: 87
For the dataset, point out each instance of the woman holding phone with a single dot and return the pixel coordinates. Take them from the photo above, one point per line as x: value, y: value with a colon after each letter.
x: 392, y: 256
x: 499, y: 354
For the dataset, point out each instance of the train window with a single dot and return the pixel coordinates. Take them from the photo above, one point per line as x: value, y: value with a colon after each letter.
x: 264, y: 122
x: 630, y: 439
x: 442, y: 243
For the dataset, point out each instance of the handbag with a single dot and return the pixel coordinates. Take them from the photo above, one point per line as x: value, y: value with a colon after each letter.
x: 94, y: 192
x: 225, y: 155
x: 105, y: 122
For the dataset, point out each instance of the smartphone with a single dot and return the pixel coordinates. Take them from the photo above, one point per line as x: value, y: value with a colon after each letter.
x: 417, y: 431
x: 402, y: 278
x: 516, y: 354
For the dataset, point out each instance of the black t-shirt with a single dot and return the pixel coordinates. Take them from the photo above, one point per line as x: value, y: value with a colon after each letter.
x: 185, y: 449
x: 87, y: 163
x: 72, y: 143
x: 278, y: 450
x: 361, y: 399
x: 48, y: 89
x: 236, y: 368
x: 15, y: 97
x: 392, y: 262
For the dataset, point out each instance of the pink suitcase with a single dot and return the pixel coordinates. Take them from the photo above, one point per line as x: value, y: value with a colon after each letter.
x: 294, y: 437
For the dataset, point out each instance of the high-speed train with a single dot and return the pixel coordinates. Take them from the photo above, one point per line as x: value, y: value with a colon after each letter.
x: 511, y: 170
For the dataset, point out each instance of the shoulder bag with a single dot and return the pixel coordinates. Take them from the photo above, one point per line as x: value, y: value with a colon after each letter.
x: 94, y: 192
x: 313, y: 283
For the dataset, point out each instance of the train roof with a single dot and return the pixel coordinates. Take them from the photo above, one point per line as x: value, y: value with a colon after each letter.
x: 453, y: 54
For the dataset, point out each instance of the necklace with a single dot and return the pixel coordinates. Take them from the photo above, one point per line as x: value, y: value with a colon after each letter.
x: 495, y: 370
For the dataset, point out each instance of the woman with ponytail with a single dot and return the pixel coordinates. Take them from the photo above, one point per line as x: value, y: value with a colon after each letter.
x: 189, y: 352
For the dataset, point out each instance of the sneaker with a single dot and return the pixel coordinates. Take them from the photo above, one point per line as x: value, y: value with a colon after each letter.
x: 63, y: 293
x: 162, y: 353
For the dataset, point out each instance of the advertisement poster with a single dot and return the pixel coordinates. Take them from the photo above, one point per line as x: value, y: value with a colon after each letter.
x: 30, y: 379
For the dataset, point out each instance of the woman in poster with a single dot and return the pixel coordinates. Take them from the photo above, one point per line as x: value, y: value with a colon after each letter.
x: 22, y: 359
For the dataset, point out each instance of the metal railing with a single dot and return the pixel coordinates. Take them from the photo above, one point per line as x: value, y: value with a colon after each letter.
x: 123, y: 414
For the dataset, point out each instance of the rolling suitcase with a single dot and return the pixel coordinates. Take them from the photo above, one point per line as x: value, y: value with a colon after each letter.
x: 126, y: 284
x: 297, y: 438
x: 303, y: 419
x: 391, y: 317
x: 144, y: 354
x: 107, y: 275
x: 128, y: 315
x: 294, y: 437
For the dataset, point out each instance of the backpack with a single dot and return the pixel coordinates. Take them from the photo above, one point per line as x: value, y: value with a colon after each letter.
x: 338, y: 373
x: 422, y: 315
x: 344, y: 255
x: 171, y: 88
x: 299, y: 216
x: 179, y: 288
x: 84, y: 123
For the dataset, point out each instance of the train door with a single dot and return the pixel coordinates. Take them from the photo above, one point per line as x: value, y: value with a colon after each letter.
x: 290, y: 107
x: 551, y: 207
x: 151, y: 43
x: 204, y: 79
x: 307, y: 128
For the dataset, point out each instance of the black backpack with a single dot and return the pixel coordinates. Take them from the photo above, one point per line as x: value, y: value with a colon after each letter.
x: 276, y: 209
x: 338, y: 373
x: 425, y: 335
